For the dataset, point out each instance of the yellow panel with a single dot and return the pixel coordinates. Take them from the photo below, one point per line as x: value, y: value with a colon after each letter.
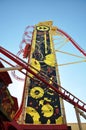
x: 43, y: 103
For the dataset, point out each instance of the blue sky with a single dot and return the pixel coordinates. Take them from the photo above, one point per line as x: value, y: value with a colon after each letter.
x: 68, y: 15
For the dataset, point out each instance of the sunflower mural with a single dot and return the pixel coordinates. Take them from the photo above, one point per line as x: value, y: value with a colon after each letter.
x: 43, y: 103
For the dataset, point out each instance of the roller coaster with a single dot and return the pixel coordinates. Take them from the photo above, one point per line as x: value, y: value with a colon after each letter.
x: 43, y: 95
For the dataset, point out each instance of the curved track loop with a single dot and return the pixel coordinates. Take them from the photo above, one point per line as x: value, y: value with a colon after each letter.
x: 72, y: 41
x: 27, y: 38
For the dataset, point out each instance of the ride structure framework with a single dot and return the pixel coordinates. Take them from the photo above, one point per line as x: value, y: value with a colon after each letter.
x: 42, y: 101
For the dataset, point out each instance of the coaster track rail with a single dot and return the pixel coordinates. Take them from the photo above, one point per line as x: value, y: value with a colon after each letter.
x: 63, y: 93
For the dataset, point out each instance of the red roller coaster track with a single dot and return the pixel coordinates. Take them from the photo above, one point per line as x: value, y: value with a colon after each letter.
x: 72, y: 41
x: 62, y: 92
